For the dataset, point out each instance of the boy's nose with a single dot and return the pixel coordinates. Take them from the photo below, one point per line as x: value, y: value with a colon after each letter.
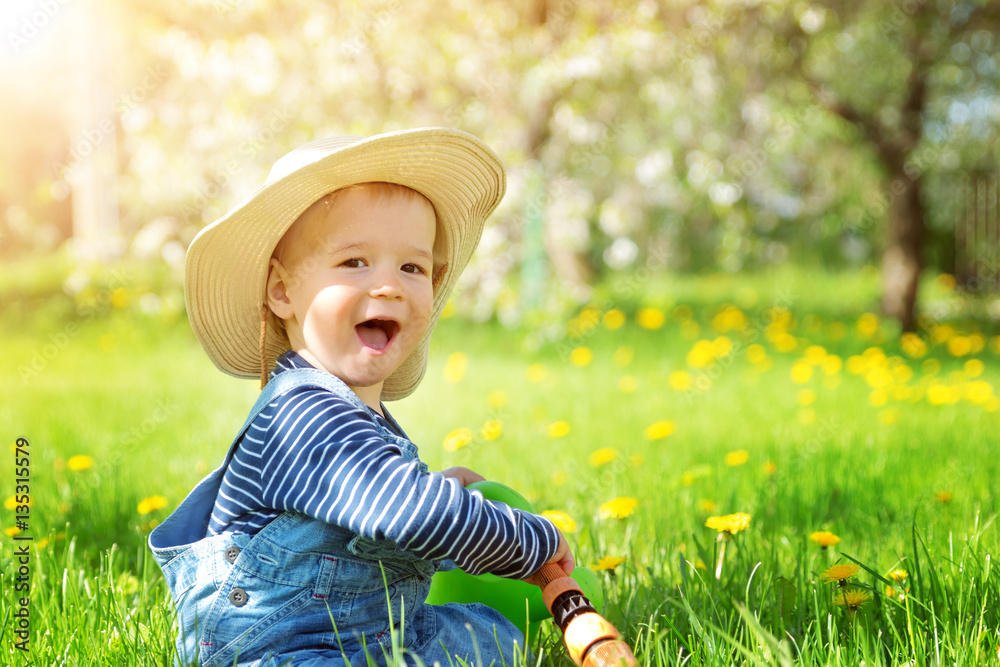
x: 386, y: 286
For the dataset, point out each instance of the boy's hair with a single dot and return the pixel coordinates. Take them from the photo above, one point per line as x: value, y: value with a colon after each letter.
x: 380, y: 193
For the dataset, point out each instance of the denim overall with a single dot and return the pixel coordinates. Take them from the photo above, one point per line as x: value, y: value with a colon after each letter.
x: 303, y: 592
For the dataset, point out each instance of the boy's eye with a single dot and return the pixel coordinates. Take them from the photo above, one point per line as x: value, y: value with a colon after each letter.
x: 353, y: 263
x: 413, y: 268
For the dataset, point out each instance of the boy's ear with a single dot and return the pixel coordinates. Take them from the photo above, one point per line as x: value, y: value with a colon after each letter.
x: 277, y: 290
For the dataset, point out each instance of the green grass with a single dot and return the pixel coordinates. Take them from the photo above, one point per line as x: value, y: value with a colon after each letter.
x: 136, y: 393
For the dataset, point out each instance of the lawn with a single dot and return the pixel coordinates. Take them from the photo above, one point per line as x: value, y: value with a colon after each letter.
x: 782, y: 397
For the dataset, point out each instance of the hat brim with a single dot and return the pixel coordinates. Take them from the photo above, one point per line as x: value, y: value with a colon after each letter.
x: 227, y: 262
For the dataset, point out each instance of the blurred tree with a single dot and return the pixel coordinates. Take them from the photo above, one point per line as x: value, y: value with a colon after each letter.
x: 638, y: 135
x: 889, y: 69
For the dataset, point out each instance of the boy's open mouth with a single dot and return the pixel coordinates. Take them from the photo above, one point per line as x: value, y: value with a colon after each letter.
x: 376, y: 333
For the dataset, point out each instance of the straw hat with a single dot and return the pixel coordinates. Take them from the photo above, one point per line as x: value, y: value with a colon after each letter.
x: 227, y: 262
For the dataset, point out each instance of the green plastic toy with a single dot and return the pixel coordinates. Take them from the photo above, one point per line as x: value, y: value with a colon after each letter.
x: 516, y: 600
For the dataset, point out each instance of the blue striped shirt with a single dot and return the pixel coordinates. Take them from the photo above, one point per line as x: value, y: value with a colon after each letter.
x: 313, y: 452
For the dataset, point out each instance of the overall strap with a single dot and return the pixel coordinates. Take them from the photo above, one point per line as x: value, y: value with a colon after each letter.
x: 187, y: 524
x: 292, y: 378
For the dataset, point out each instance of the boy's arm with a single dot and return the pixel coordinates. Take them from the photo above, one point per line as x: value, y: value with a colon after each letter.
x: 328, y: 461
x: 563, y: 557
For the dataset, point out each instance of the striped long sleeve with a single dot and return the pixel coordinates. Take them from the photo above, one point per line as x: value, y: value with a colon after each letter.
x: 312, y: 452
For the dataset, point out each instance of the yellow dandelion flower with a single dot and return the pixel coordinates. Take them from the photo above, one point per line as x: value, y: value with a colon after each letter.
x: 721, y: 346
x: 650, y: 318
x: 454, y: 368
x: 581, y: 356
x: 623, y: 356
x: 457, y: 439
x: 702, y: 355
x: 496, y: 399
x: 607, y: 563
x: 769, y: 468
x: 679, y: 380
x: 736, y: 458
x: 945, y: 282
x: 913, y: 345
x: 941, y: 394
x: 898, y: 575
x: 815, y: 354
x: 944, y: 496
x: 978, y: 392
x: 959, y: 346
x: 824, y: 538
x: 627, y: 384
x: 559, y: 429
x: 11, y: 503
x: 902, y: 373
x: 973, y: 368
x: 690, y: 329
x: 755, y: 353
x: 878, y: 377
x: 839, y: 574
x: 537, y: 372
x: 614, y: 319
x: 801, y: 372
x: 660, y: 430
x: 564, y: 522
x: 976, y: 343
x: 618, y: 508
x: 729, y: 318
x: 706, y: 506
x: 856, y: 364
x: 151, y: 504
x: 79, y: 462
x: 559, y: 477
x: 806, y: 397
x: 891, y: 591
x: 120, y: 298
x: 785, y: 342
x: 729, y: 523
x: 683, y: 312
x: 602, y: 456
x: 491, y: 430
x: 867, y: 325
x: 831, y: 364
x: 12, y: 531
x: 930, y: 367
x: 878, y: 397
x: 852, y: 599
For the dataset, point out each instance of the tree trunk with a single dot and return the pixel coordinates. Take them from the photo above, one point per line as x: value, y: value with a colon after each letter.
x: 902, y: 260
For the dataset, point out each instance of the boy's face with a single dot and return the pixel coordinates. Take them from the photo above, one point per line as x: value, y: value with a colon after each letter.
x: 353, y: 285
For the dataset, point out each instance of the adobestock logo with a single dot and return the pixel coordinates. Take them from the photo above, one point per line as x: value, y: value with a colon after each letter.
x: 34, y: 22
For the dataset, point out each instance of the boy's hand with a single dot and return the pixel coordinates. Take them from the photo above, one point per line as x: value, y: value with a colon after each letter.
x: 563, y: 558
x: 463, y: 475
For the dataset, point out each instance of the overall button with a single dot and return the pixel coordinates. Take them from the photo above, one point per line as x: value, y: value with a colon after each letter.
x: 238, y: 597
x: 232, y: 552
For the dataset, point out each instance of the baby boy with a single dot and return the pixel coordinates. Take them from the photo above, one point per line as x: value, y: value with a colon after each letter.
x: 315, y: 541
